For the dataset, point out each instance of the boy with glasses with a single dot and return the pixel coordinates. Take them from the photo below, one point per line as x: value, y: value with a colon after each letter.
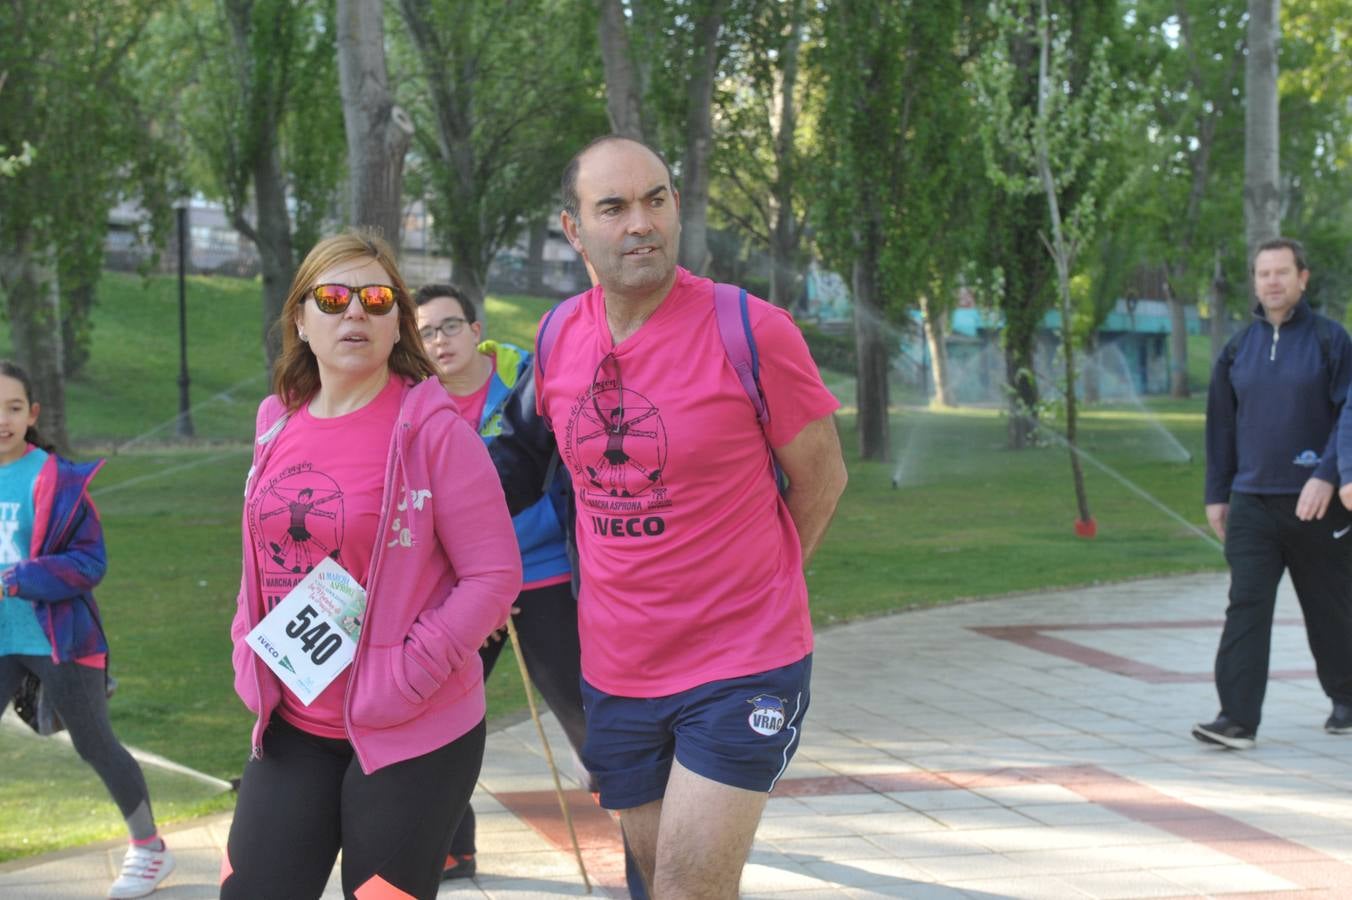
x: 479, y: 375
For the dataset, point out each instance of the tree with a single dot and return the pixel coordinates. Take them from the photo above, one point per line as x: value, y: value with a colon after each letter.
x: 378, y: 131
x: 892, y: 188
x: 1316, y: 135
x: 665, y: 58
x: 70, y: 105
x: 1006, y: 92
x: 624, y: 93
x: 501, y: 96
x: 1262, y: 171
x: 10, y: 164
x: 1059, y: 148
x: 1195, y: 119
x: 760, y: 149
x: 258, y: 107
x: 704, y: 60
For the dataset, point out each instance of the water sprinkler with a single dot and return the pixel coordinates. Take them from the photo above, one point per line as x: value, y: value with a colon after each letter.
x: 896, y: 482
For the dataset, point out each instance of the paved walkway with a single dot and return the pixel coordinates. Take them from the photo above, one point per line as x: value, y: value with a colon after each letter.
x: 1030, y: 747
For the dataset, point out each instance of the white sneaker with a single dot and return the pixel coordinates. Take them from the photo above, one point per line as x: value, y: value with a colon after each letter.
x: 142, y: 871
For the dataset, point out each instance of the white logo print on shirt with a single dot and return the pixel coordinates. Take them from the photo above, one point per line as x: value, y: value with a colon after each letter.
x: 9, y: 529
x: 403, y: 537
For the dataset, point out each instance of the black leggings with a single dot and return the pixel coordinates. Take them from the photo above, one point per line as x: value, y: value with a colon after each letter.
x: 80, y: 696
x: 307, y: 797
x: 547, y: 627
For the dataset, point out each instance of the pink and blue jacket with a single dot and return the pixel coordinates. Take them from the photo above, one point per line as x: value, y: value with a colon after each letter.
x: 66, y: 560
x: 442, y: 578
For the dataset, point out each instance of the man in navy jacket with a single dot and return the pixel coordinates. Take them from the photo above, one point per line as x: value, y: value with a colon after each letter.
x: 1272, y: 469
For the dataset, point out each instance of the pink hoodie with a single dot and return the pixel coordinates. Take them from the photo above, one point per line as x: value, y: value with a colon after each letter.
x: 442, y: 578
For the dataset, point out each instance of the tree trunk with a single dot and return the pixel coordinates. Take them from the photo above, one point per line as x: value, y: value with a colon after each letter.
x: 271, y: 232
x: 272, y: 237
x: 1262, y: 185
x: 1093, y: 369
x: 784, y: 236
x: 1178, y: 345
x: 538, y: 234
x: 1220, y: 316
x: 871, y: 351
x: 936, y: 335
x: 624, y: 96
x: 469, y: 272
x: 450, y: 81
x: 378, y: 131
x: 1061, y: 255
x: 699, y: 144
x: 29, y: 278
x: 1020, y: 362
x: 75, y: 325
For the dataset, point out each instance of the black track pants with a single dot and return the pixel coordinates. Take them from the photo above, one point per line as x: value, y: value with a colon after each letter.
x: 1263, y: 538
x: 307, y: 797
x: 547, y: 627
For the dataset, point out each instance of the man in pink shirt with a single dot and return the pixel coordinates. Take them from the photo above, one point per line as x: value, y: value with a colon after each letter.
x: 693, y: 613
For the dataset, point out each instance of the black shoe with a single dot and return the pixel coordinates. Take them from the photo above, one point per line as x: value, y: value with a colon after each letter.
x: 1226, y: 733
x: 1341, y: 720
x: 458, y: 866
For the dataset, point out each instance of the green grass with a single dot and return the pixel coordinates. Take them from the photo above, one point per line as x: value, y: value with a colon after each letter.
x: 972, y: 519
x: 129, y: 388
x: 59, y: 802
x: 969, y: 519
x: 130, y: 384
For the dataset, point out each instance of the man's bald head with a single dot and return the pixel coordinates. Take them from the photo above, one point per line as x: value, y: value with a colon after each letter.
x: 569, y: 183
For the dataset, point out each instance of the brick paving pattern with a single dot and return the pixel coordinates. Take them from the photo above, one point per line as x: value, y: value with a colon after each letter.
x: 1030, y: 747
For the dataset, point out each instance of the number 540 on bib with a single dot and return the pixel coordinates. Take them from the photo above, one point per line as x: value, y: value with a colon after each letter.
x: 311, y: 636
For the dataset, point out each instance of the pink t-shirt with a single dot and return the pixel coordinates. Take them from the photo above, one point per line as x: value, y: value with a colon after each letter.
x: 471, y: 406
x: 320, y: 495
x: 691, y: 565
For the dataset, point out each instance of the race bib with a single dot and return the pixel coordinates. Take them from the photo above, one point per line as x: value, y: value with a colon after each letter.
x: 311, y: 636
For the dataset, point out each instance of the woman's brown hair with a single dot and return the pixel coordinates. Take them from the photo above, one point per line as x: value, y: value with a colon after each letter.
x: 296, y: 376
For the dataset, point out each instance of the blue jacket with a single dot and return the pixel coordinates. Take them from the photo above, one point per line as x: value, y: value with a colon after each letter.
x: 1273, y: 407
x: 539, y: 532
x: 66, y: 561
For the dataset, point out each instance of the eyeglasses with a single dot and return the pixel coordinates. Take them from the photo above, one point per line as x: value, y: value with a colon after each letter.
x: 448, y: 327
x: 376, y: 299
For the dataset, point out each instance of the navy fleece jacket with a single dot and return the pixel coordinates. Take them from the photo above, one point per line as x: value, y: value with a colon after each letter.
x: 1272, y: 413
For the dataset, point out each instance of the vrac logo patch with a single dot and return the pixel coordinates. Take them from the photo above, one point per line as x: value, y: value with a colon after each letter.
x: 1307, y: 458
x: 767, y: 714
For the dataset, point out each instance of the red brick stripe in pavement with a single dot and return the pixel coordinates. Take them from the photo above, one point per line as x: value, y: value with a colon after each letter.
x: 1034, y: 638
x: 1318, y: 874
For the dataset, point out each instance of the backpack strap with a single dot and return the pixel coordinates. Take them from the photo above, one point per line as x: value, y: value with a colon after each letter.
x: 549, y: 330
x: 734, y: 327
x: 739, y: 344
x: 547, y: 335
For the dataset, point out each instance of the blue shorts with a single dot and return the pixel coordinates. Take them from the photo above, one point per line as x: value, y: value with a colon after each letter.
x: 740, y: 732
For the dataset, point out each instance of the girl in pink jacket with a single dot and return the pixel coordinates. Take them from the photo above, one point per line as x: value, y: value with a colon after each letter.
x: 362, y: 466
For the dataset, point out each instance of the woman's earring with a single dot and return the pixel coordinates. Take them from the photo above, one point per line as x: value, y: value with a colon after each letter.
x: 303, y: 338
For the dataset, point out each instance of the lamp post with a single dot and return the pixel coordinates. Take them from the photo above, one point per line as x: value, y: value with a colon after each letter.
x: 184, y: 422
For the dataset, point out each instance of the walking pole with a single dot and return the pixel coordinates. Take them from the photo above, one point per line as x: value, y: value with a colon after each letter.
x: 549, y: 756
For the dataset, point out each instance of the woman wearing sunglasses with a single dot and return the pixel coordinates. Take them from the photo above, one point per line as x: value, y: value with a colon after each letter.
x: 363, y: 470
